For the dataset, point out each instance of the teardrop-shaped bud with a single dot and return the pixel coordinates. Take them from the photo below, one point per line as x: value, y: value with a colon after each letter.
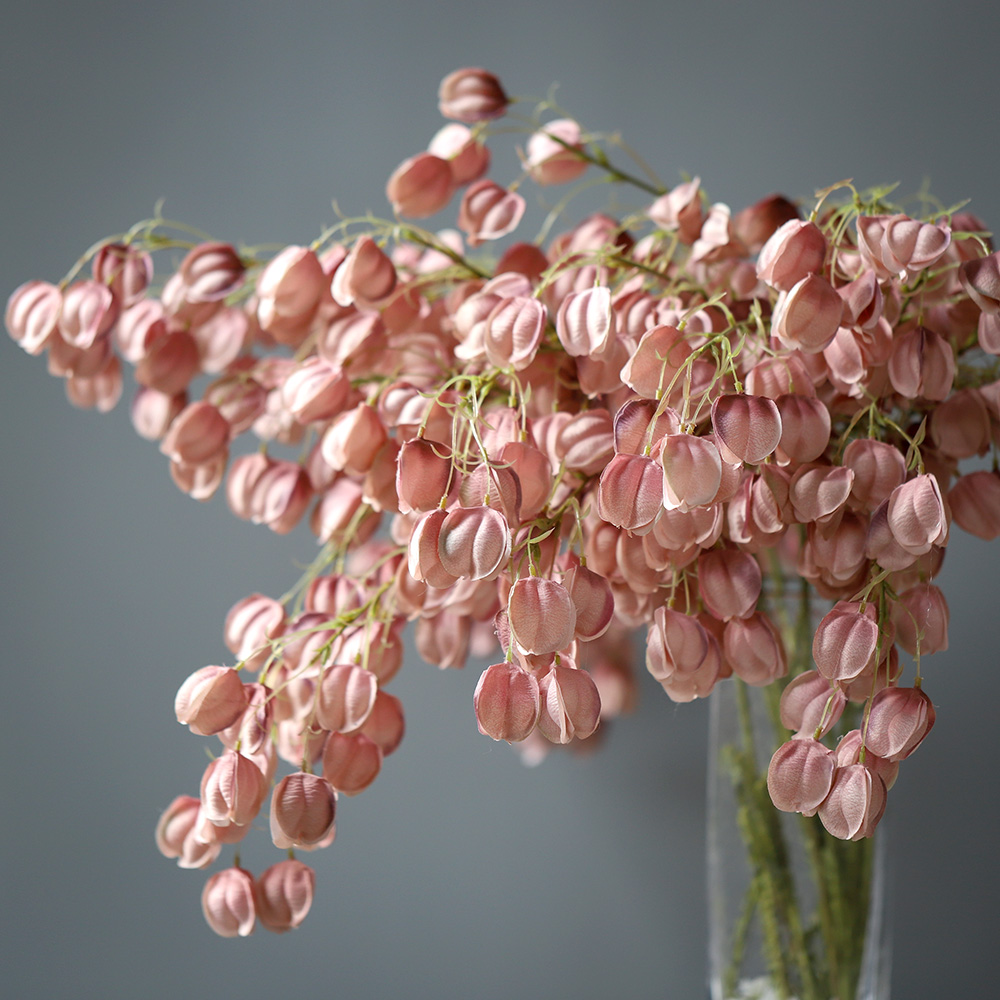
x: 585, y: 322
x: 210, y: 272
x: 855, y: 803
x: 420, y: 186
x: 800, y: 776
x: 630, y: 492
x: 303, y: 811
x: 366, y: 276
x: 899, y: 720
x: 593, y: 599
x: 346, y: 697
x: 729, y: 582
x: 807, y: 316
x: 793, y: 252
x: 506, y: 702
x: 981, y: 280
x: 210, y: 700
x: 921, y: 617
x: 916, y: 514
x: 284, y: 894
x: 692, y: 471
x: 553, y: 156
x: 570, y: 705
x: 488, y: 211
x: 232, y: 790
x: 471, y: 95
x: 542, y: 615
x: 228, y: 903
x: 975, y: 504
x: 922, y: 364
x: 844, y: 642
x: 351, y: 762
x: 754, y: 648
x: 473, y: 542
x: 810, y: 702
x: 747, y: 427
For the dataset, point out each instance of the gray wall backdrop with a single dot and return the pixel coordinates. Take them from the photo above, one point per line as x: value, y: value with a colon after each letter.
x: 459, y: 873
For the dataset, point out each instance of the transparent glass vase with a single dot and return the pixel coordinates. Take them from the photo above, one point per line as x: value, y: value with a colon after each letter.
x: 793, y: 912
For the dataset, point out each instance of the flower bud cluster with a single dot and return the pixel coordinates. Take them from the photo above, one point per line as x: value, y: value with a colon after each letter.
x: 654, y: 424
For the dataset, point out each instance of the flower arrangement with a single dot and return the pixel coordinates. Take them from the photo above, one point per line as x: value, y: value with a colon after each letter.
x: 671, y: 420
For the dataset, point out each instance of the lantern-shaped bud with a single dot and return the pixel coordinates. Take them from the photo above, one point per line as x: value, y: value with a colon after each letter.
x: 506, y: 702
x: 975, y: 504
x: 675, y: 643
x: 630, y: 493
x: 922, y: 364
x: 878, y: 469
x: 489, y: 211
x: 570, y: 704
x: 692, y: 471
x: 845, y: 641
x: 232, y: 790
x: 553, y: 153
x: 729, y: 582
x: 800, y: 776
x: 346, y: 697
x: 210, y: 272
x: 981, y: 280
x: 467, y: 158
x: 542, y: 615
x: 32, y: 315
x: 805, y: 428
x: 921, y: 618
x: 367, y: 275
x: 284, y: 894
x: 916, y: 515
x: 421, y: 186
x: 793, y: 252
x: 808, y: 315
x: 89, y: 311
x: 906, y: 245
x: 175, y: 835
x: 351, y: 762
x: 303, y: 811
x: 811, y: 704
x: 210, y: 700
x: 585, y: 322
x: 747, y: 428
x: 228, y: 903
x: 126, y: 270
x: 593, y: 599
x: 474, y: 542
x: 471, y: 95
x: 754, y: 648
x: 855, y: 804
x: 899, y: 720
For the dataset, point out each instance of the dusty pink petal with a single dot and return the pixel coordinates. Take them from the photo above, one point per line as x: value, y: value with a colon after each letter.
x: 351, y: 762
x: 353, y: 439
x: 981, y: 280
x: 100, y: 391
x: 315, y: 391
x: 473, y: 542
x: 630, y: 493
x: 443, y: 639
x: 855, y: 803
x: 284, y: 894
x: 126, y: 270
x: 975, y: 504
x: 549, y: 161
x: 899, y: 720
x: 793, y: 252
x: 366, y: 275
x: 675, y: 644
x: 467, y: 158
x: 506, y: 702
x: 288, y: 291
x: 542, y: 615
x: 632, y: 426
x: 423, y: 553
x: 570, y: 705
x: 303, y: 811
x: 754, y: 648
x: 805, y: 428
x: 421, y: 186
x: 916, y: 515
x: 800, y: 776
x: 386, y: 724
x: 32, y: 315
x: 346, y: 697
x: 818, y: 492
x: 848, y: 752
x: 844, y: 642
x: 232, y: 790
x: 210, y: 700
x: 960, y: 426
x: 489, y: 211
x: 692, y: 471
x: 175, y: 835
x: 657, y: 359
x: 585, y: 322
x: 593, y: 599
x: 228, y: 903
x: 810, y: 701
x: 757, y: 223
x: 729, y: 582
x: 198, y: 434
x: 471, y: 95
x: 808, y: 315
x: 170, y: 363
x: 878, y: 469
x: 680, y: 209
x: 908, y: 245
x: 88, y: 313
x: 533, y: 472
x: 747, y: 427
x: 424, y: 474
x: 513, y: 332
x: 585, y: 442
x: 922, y: 364
x: 210, y: 272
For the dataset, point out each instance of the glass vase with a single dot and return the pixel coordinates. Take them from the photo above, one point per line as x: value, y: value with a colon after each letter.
x: 793, y: 911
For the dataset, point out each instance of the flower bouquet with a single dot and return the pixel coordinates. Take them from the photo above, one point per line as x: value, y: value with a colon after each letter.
x: 739, y: 432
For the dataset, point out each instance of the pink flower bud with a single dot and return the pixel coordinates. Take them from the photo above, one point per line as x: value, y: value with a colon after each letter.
x: 280, y: 497
x: 680, y: 210
x: 153, y: 412
x: 32, y: 315
x: 729, y: 582
x: 467, y: 158
x: 811, y: 702
x: 421, y: 186
x: 819, y: 492
x: 232, y: 790
x: 303, y: 811
x: 878, y: 469
x: 551, y: 158
x: 855, y: 804
x: 175, y: 835
x: 198, y: 435
x: 542, y: 615
x: 210, y: 272
x: 754, y: 648
x: 800, y: 776
x: 386, y: 724
x: 916, y: 515
x: 594, y: 602
x: 585, y: 322
x: 126, y: 270
x: 228, y: 903
x: 284, y: 894
x: 907, y: 245
x: 513, y: 332
x: 506, y: 702
x: 848, y: 752
x: 489, y: 211
x: 169, y: 364
x: 793, y: 252
x: 210, y: 700
x: 808, y: 315
x: 315, y: 391
x: 960, y: 426
x: 845, y: 641
x: 675, y: 644
x: 921, y: 617
x: 975, y: 504
x: 630, y: 493
x: 351, y: 762
x: 346, y: 697
x: 471, y: 95
x: 657, y: 359
x: 474, y: 543
x: 899, y: 720
x: 747, y: 428
x: 570, y: 705
x: 922, y: 364
x: 805, y: 428
x: 101, y: 391
x: 757, y: 223
x: 366, y: 276
x: 692, y: 471
x: 353, y: 439
x: 981, y: 280
x: 89, y: 311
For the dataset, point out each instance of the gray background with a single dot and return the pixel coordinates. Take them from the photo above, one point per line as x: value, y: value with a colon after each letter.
x: 459, y: 873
